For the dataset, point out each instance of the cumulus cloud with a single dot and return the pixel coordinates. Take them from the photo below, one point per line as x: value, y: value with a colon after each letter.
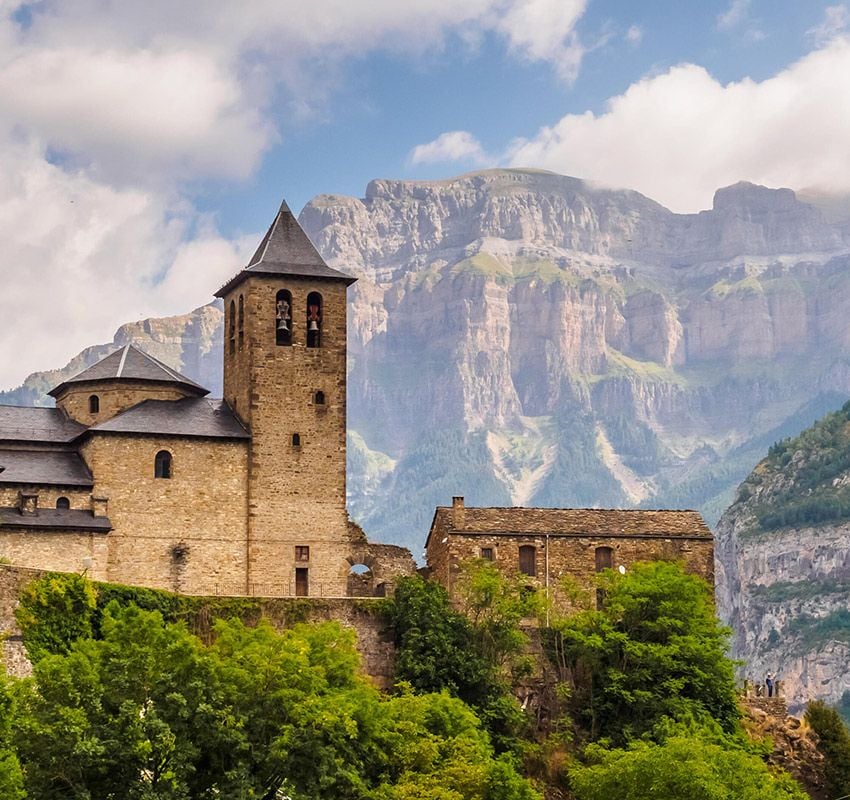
x: 109, y: 110
x: 680, y: 135
x: 450, y: 146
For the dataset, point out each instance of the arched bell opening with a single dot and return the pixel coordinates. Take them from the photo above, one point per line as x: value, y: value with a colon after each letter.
x: 314, y: 319
x: 231, y: 327
x: 241, y: 321
x: 283, y: 318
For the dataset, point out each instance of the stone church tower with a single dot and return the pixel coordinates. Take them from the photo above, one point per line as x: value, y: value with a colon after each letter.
x: 285, y: 377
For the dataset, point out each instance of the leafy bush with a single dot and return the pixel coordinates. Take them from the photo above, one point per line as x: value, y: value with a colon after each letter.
x: 834, y: 743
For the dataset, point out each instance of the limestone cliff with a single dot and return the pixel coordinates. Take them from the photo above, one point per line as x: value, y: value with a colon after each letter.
x: 523, y: 337
x: 783, y: 571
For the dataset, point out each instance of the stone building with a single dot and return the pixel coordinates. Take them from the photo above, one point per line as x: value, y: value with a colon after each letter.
x: 137, y: 477
x: 547, y: 544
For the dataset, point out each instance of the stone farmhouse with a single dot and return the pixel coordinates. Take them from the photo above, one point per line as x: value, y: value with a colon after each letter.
x: 137, y: 477
x: 547, y: 544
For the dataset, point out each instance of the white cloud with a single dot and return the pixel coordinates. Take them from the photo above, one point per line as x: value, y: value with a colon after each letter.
x: 544, y: 30
x: 450, y: 146
x: 836, y: 21
x: 678, y: 136
x: 737, y: 13
x: 634, y: 35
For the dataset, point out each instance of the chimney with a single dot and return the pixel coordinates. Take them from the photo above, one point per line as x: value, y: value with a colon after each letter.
x: 99, y: 506
x: 28, y: 503
x: 458, y: 513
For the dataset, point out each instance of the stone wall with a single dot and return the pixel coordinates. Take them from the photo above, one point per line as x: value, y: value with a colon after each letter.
x: 374, y: 640
x: 296, y: 491
x: 114, y: 398
x: 47, y: 496
x: 56, y: 549
x: 187, y: 533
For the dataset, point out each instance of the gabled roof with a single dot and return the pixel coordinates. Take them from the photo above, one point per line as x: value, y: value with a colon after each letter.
x: 44, y: 468
x: 131, y: 363
x: 191, y: 416
x: 286, y: 250
x: 573, y: 522
x: 43, y: 425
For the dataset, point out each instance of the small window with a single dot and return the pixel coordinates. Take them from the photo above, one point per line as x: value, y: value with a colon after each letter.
x: 604, y: 558
x: 302, y: 552
x: 319, y: 398
x: 94, y: 404
x: 231, y: 327
x: 283, y: 317
x: 296, y: 440
x: 487, y: 553
x: 528, y: 560
x: 162, y: 465
x: 63, y: 503
x: 241, y: 321
x: 314, y: 319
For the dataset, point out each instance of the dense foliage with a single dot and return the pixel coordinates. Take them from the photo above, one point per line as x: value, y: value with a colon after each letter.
x: 149, y: 711
x: 441, y: 649
x: 654, y: 650
x: 688, y: 764
x: 820, y: 454
x: 834, y: 743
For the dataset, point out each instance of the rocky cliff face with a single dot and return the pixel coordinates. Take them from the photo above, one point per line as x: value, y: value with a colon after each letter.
x: 783, y: 571
x: 522, y: 337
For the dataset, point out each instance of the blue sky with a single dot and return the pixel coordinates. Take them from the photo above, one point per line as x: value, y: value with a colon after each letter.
x: 144, y: 147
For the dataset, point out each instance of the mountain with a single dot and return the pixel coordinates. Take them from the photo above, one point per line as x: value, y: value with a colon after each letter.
x: 521, y: 337
x: 783, y: 558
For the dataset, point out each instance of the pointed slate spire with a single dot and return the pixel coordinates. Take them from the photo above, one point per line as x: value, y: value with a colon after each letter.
x: 286, y: 250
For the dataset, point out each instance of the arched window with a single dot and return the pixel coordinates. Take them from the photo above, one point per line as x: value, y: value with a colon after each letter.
x: 231, y: 328
x: 319, y: 398
x: 283, y: 317
x: 94, y: 404
x: 314, y: 319
x: 296, y: 440
x: 241, y: 321
x: 63, y: 503
x: 162, y: 464
x: 528, y: 560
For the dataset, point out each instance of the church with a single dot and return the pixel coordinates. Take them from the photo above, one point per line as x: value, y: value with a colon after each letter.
x: 137, y: 477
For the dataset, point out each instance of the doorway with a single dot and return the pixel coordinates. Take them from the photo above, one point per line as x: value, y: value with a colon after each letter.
x: 302, y: 582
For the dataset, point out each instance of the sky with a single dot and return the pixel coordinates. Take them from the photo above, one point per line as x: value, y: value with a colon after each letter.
x: 145, y: 147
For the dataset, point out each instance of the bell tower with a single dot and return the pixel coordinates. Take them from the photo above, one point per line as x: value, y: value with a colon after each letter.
x: 285, y: 378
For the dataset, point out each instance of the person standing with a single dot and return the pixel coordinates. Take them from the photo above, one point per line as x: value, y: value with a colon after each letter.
x: 769, y: 683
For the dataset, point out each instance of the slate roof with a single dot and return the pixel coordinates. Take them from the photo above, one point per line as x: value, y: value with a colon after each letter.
x: 44, y: 467
x: 132, y: 364
x: 574, y: 522
x: 191, y: 416
x: 58, y: 519
x: 42, y: 425
x: 286, y: 250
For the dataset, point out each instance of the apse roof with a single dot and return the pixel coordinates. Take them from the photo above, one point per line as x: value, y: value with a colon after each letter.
x: 130, y: 363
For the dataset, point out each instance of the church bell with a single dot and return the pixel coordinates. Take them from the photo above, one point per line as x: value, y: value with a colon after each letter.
x: 282, y: 326
x: 314, y: 326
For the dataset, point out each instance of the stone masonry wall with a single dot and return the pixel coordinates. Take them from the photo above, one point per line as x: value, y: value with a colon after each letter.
x: 187, y: 533
x: 47, y: 496
x: 374, y: 641
x: 114, y: 398
x: 296, y: 492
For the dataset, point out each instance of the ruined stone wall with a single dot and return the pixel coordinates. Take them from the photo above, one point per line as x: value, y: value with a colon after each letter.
x: 114, y: 398
x: 567, y: 555
x: 296, y: 491
x: 187, y: 533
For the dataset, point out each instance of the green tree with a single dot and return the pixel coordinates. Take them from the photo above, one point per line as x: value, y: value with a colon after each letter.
x: 654, y: 650
x: 11, y: 778
x: 834, y: 743
x: 438, y: 648
x: 685, y: 765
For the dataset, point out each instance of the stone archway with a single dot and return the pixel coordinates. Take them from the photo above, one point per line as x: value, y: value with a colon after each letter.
x: 361, y: 574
